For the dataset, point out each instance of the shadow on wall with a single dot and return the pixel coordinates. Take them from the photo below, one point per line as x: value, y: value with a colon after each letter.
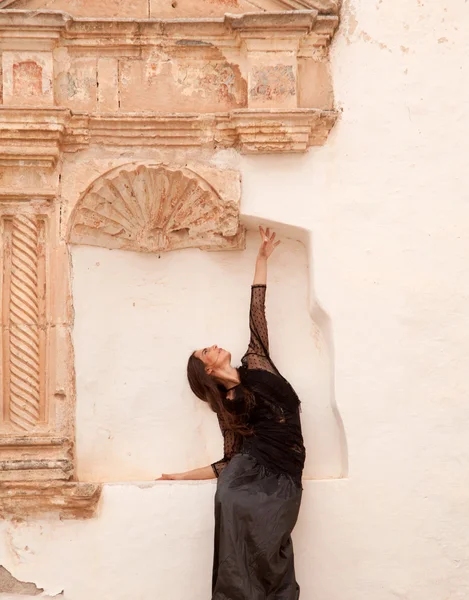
x: 333, y: 452
x: 138, y: 317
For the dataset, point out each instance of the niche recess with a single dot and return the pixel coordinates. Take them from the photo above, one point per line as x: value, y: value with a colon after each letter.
x: 109, y: 124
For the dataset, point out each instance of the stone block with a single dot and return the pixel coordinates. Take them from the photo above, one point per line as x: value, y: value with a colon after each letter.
x: 315, y: 84
x: 108, y: 91
x: 76, y: 81
x: 66, y: 500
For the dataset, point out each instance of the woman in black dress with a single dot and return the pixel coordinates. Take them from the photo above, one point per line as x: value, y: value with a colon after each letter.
x: 259, y: 478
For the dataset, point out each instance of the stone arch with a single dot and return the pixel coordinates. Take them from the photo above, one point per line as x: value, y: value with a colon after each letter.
x: 154, y: 207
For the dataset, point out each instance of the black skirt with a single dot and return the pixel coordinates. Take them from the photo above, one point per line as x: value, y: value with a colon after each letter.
x: 255, y: 513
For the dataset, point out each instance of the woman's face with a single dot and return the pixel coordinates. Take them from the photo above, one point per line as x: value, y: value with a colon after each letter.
x: 213, y: 357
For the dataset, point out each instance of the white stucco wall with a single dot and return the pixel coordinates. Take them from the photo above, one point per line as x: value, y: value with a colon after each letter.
x: 138, y: 317
x: 386, y: 203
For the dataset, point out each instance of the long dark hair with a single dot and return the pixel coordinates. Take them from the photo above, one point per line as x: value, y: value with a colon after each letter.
x: 209, y: 390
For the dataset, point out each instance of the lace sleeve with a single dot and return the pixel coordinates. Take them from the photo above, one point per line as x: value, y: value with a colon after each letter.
x: 232, y: 443
x: 257, y: 355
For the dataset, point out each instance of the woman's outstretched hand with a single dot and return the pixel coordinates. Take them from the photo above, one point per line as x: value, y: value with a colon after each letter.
x: 196, y: 474
x: 170, y: 477
x: 268, y: 244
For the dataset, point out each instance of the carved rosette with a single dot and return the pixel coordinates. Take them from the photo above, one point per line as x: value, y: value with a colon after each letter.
x: 155, y: 208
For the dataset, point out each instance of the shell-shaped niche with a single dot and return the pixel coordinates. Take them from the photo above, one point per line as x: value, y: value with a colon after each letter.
x: 155, y: 208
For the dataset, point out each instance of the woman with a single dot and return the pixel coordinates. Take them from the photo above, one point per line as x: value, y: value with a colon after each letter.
x: 259, y: 478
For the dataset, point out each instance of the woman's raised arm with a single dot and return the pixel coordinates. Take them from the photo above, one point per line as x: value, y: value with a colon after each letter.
x: 258, y: 348
x: 268, y: 245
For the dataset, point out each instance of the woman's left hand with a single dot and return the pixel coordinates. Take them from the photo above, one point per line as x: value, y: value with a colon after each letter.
x: 268, y: 245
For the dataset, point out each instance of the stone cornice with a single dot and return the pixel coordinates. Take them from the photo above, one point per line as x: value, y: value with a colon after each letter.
x: 36, y: 137
x: 322, y: 6
x: 47, y: 25
x: 31, y: 136
x: 26, y: 195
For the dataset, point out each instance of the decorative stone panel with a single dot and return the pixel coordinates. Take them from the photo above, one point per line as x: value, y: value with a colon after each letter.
x: 155, y: 208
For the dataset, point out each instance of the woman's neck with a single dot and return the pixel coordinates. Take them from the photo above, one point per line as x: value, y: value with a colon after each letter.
x: 228, y: 376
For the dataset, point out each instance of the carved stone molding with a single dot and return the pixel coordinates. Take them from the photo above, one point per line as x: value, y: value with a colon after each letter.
x: 31, y: 136
x: 46, y: 28
x: 252, y: 131
x: 25, y: 458
x: 155, y: 8
x: 33, y: 499
x: 26, y: 195
x: 284, y: 131
x: 155, y: 208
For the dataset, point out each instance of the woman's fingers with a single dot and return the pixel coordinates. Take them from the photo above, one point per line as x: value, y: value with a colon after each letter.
x: 268, y: 243
x: 266, y: 235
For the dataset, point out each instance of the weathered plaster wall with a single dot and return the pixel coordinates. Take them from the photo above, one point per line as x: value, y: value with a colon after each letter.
x: 386, y: 203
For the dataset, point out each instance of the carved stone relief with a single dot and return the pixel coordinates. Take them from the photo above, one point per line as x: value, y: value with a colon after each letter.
x: 155, y: 208
x: 24, y: 291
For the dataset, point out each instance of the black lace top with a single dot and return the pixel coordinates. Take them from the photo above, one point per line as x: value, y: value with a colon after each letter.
x: 276, y: 440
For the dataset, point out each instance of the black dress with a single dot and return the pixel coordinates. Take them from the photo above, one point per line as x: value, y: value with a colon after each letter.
x: 259, y: 479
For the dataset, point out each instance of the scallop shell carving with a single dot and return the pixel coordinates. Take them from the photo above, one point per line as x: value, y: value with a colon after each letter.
x: 154, y: 208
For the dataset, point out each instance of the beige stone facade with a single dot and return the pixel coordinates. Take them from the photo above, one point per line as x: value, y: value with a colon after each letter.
x: 109, y: 115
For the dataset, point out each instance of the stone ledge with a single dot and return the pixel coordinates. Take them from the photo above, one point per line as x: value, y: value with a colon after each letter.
x: 72, y: 500
x: 36, y: 137
x: 27, y: 195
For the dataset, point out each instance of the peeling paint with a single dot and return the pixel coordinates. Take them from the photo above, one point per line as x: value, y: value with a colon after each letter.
x: 232, y: 3
x: 27, y: 79
x: 349, y: 20
x: 273, y: 82
x: 221, y: 79
x: 11, y: 585
x: 192, y: 43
